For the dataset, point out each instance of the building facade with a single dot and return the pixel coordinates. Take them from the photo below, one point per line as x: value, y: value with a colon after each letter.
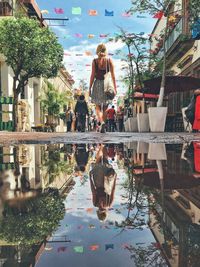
x: 182, y: 54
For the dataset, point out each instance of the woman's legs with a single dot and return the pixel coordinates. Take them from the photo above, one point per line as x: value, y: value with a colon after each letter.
x: 99, y: 113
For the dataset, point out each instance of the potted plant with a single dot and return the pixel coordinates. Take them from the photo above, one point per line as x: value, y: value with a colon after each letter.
x: 52, y: 102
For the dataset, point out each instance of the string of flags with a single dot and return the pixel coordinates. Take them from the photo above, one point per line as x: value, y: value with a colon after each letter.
x: 95, y: 247
x: 107, y: 13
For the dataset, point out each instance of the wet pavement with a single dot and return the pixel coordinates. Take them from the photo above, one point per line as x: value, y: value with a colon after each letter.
x: 115, y: 204
x: 93, y: 137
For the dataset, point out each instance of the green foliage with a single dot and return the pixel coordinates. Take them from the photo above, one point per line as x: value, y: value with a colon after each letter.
x: 33, y: 222
x: 54, y: 165
x: 52, y: 101
x: 194, y: 10
x: 151, y: 7
x: 30, y: 50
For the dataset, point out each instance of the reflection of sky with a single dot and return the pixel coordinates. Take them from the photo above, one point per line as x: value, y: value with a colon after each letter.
x: 76, y: 227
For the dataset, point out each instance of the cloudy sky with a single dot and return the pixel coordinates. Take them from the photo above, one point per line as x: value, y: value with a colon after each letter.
x: 74, y: 36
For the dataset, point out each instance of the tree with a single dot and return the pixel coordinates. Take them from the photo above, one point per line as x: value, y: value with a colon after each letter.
x: 83, y: 85
x: 164, y: 8
x: 30, y: 50
x: 137, y: 58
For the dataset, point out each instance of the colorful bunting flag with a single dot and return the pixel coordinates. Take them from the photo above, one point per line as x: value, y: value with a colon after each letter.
x: 158, y: 15
x: 109, y: 246
x: 141, y: 17
x: 109, y: 13
x: 76, y: 11
x: 126, y: 14
x: 94, y: 247
x: 78, y: 35
x: 88, y: 53
x: 44, y: 11
x: 59, y: 10
x: 78, y: 249
x: 92, y: 12
x: 103, y: 35
x: 90, y: 36
x: 79, y: 55
x: 89, y: 210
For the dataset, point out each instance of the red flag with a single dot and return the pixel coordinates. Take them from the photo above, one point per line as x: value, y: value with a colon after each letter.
x: 158, y: 15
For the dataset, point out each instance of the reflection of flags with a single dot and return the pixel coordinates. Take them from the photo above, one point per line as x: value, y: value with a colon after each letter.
x: 92, y: 12
x: 59, y: 10
x: 76, y: 10
x: 109, y: 246
x: 158, y: 15
x: 109, y: 13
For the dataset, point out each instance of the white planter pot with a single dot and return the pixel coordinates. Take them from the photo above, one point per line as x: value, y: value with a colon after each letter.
x: 157, y: 118
x: 143, y: 122
x: 187, y: 126
x: 157, y: 151
x: 126, y: 126
x: 142, y: 148
x: 132, y: 124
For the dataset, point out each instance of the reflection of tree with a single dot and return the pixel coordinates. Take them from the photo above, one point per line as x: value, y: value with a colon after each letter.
x: 137, y: 203
x: 147, y: 256
x: 55, y: 165
x: 34, y: 220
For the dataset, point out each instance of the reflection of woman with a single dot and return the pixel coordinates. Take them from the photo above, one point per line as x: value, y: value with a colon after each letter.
x: 102, y: 181
x: 100, y: 66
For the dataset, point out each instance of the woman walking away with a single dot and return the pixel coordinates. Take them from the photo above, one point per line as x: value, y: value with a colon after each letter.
x: 196, y: 124
x: 101, y: 66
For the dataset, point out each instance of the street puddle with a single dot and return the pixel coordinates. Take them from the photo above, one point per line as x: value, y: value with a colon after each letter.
x: 132, y: 204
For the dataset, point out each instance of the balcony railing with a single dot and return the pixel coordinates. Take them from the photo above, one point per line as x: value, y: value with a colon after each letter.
x: 6, y: 8
x: 173, y: 36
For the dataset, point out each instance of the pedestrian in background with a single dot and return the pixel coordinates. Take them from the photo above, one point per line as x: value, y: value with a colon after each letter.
x: 120, y: 119
x: 111, y: 118
x: 81, y: 111
x: 69, y: 119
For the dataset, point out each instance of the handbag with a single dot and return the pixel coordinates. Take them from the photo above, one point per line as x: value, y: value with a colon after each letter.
x: 108, y: 84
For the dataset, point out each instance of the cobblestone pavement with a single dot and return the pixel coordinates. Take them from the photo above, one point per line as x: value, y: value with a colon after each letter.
x: 92, y: 137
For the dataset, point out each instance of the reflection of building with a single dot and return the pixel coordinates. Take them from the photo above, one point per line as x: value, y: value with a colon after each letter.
x: 174, y: 218
x: 23, y: 176
x: 27, y: 170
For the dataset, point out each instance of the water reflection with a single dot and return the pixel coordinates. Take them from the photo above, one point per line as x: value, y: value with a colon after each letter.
x: 132, y: 204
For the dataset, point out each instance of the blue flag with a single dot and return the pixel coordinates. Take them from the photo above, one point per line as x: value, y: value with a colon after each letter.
x: 109, y: 13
